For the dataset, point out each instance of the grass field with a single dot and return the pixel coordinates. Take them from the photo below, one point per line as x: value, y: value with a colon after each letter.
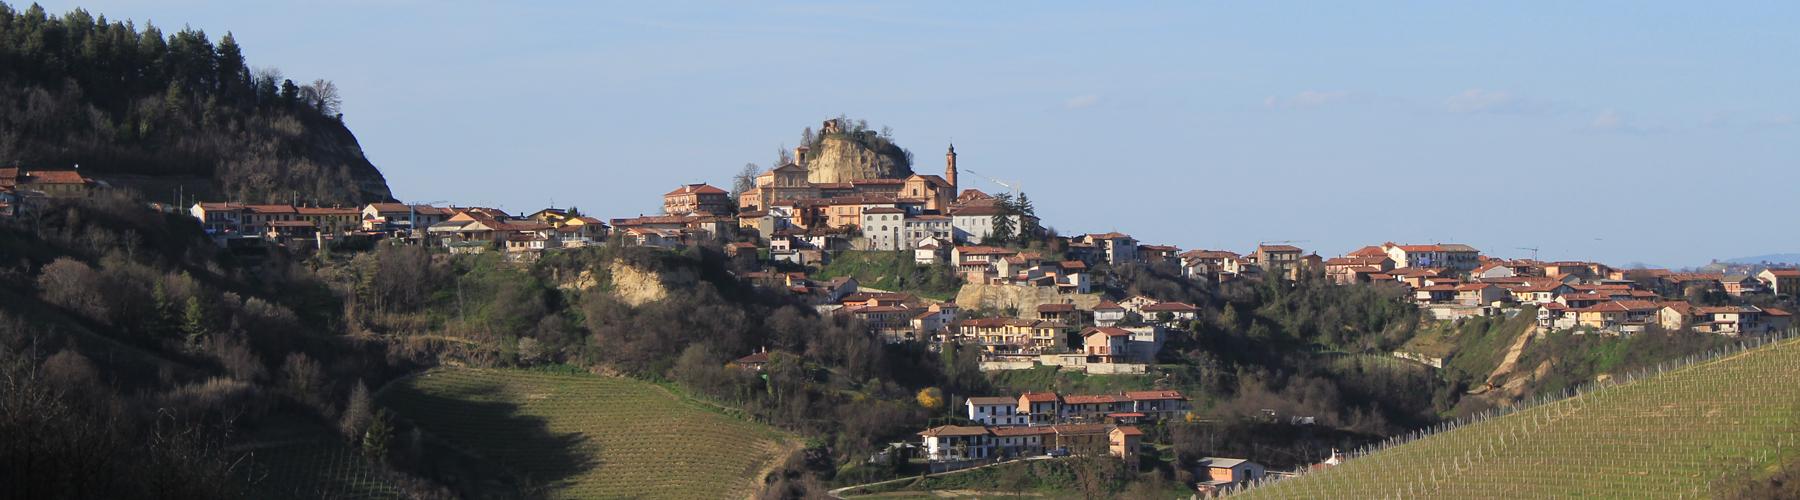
x: 587, y: 436
x: 1668, y: 436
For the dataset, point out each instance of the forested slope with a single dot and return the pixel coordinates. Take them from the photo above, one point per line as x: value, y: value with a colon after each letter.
x: 131, y: 102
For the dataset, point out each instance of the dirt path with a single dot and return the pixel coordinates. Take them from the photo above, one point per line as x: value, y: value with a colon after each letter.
x: 1509, y: 362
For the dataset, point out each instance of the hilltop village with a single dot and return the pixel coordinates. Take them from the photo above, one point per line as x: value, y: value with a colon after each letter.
x: 984, y: 271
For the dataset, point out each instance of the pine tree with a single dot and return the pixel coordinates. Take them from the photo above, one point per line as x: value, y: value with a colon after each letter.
x: 1003, y: 221
x: 290, y: 94
x: 1028, y: 223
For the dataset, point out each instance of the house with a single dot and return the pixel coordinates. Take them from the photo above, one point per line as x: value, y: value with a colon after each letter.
x: 1040, y: 408
x: 883, y: 228
x: 1737, y: 285
x: 696, y: 198
x: 755, y: 362
x: 919, y: 228
x: 1137, y: 303
x: 1123, y: 442
x: 218, y: 218
x: 1781, y: 281
x: 1156, y: 254
x: 1158, y: 404
x: 995, y: 411
x: 1176, y: 311
x: 1012, y: 335
x: 1281, y: 261
x: 256, y: 218
x: 1108, y: 313
x: 1451, y: 256
x: 1092, y: 408
x: 958, y: 442
x: 402, y: 217
x: 1062, y: 313
x: 931, y: 251
x: 52, y: 183
x: 1209, y: 265
x: 1619, y: 316
x: 935, y: 319
x: 1221, y: 475
x: 1105, y: 344
x: 1357, y: 269
x: 974, y: 223
x: 330, y: 220
x: 1481, y: 294
x: 1115, y: 247
x: 1021, y: 441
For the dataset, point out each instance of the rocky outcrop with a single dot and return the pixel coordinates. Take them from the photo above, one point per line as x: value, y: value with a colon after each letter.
x: 1023, y: 298
x: 839, y: 158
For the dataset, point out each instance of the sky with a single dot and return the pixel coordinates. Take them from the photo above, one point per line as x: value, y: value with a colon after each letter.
x: 1628, y: 132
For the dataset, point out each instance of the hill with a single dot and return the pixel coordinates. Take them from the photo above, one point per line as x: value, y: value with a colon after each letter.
x: 1686, y: 432
x: 140, y: 109
x: 586, y: 436
x: 1774, y: 258
x: 844, y: 150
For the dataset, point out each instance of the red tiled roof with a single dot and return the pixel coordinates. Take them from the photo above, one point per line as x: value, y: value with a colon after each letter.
x: 1170, y: 307
x: 1277, y: 248
x: 1785, y: 273
x: 954, y: 430
x: 1094, y: 399
x: 1130, y: 430
x: 1107, y: 305
x: 1055, y: 308
x: 55, y: 177
x: 1041, y: 430
x: 1153, y: 395
x: 1039, y: 397
x: 695, y: 189
x: 1110, y: 331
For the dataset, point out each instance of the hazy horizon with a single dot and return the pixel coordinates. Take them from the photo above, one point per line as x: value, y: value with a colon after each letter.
x: 1618, y: 132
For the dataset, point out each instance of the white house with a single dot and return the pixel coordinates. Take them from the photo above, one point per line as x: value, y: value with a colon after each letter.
x: 1108, y: 313
x: 995, y: 411
x: 1219, y: 475
x: 957, y: 442
x: 883, y: 228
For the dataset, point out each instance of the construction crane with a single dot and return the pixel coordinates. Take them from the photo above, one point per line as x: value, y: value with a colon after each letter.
x: 1014, y: 187
x: 1261, y: 243
x: 1534, y: 252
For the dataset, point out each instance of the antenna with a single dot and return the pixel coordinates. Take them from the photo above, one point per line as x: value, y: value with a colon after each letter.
x: 1534, y: 252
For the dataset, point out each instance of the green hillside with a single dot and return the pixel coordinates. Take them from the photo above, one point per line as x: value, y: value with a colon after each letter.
x: 1686, y: 432
x: 585, y: 436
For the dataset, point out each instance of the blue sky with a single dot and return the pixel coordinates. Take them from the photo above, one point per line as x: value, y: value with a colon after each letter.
x: 1656, y: 132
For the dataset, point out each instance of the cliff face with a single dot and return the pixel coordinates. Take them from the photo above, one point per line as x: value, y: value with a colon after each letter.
x: 1023, y: 298
x: 838, y: 158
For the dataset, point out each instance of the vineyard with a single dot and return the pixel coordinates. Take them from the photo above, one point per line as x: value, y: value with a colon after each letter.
x: 1670, y: 435
x: 586, y: 436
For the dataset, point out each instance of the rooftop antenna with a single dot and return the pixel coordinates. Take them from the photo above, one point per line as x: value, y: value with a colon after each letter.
x: 1534, y: 251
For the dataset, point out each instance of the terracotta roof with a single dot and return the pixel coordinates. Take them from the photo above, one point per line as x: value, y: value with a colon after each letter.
x: 1054, y: 308
x: 982, y: 250
x: 1129, y: 430
x: 1153, y: 395
x: 954, y: 430
x: 1170, y: 307
x: 1775, y: 312
x: 326, y: 211
x: 1107, y: 305
x: 1078, y: 429
x: 55, y: 177
x: 695, y: 189
x: 883, y: 210
x: 1368, y: 251
x: 1039, y: 397
x: 1158, y: 248
x: 992, y: 400
x: 1784, y: 273
x: 1110, y: 331
x: 1108, y: 236
x: 1041, y: 430
x: 291, y: 223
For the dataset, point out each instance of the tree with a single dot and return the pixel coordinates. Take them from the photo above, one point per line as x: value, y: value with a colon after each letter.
x: 375, y: 440
x: 1029, y: 230
x: 290, y: 94
x: 931, y: 398
x: 1003, y: 221
x: 323, y: 96
x: 194, y: 325
x: 357, y: 412
x: 744, y: 181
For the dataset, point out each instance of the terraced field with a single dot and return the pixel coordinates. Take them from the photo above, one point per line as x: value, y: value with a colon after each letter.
x: 1673, y: 435
x: 586, y: 436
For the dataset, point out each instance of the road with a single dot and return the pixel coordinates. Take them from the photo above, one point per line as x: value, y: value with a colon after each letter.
x: 839, y: 492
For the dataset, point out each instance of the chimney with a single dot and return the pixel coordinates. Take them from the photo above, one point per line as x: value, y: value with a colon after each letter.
x: 800, y: 155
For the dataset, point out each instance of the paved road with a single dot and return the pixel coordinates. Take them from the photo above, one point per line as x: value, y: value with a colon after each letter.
x: 839, y: 493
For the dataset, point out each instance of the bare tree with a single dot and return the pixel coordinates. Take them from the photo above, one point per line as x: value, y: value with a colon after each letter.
x: 322, y: 95
x: 744, y: 180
